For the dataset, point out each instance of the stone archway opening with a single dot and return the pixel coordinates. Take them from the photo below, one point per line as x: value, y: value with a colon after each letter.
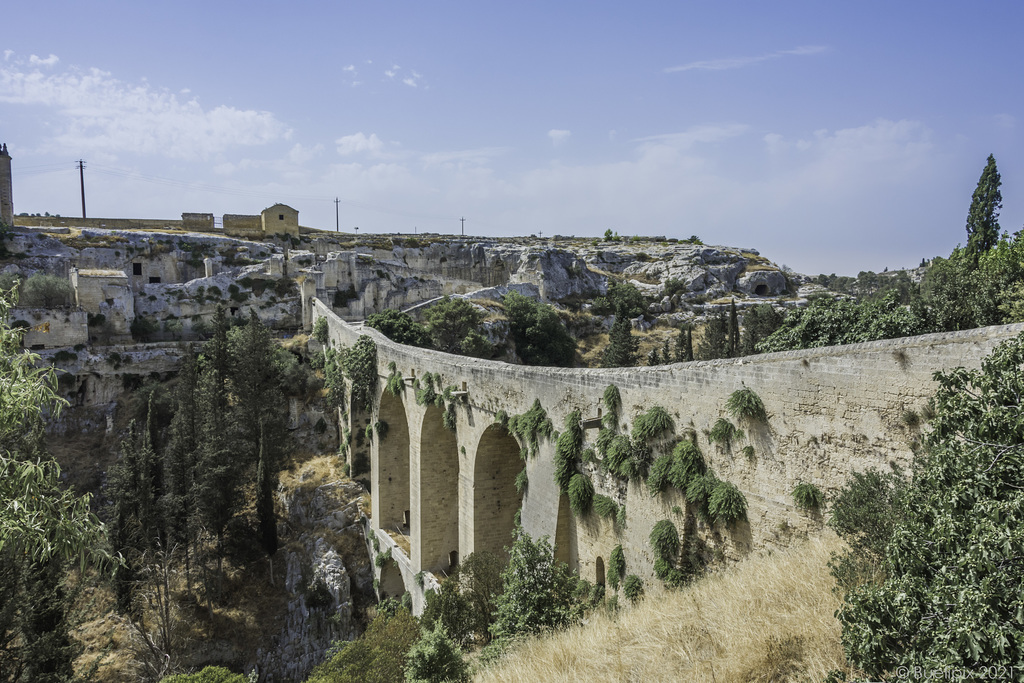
x: 761, y: 290
x: 390, y: 584
x: 438, y: 494
x: 599, y: 572
x: 495, y: 498
x: 391, y: 473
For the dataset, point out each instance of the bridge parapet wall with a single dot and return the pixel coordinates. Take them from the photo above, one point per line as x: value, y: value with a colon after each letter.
x: 832, y: 411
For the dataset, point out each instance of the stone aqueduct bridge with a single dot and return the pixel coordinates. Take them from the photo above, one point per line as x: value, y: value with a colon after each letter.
x: 448, y: 493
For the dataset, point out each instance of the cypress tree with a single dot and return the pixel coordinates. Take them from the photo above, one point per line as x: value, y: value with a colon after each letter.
x: 666, y: 351
x: 733, y: 346
x: 983, y: 217
x: 622, y: 345
x: 653, y: 358
x: 265, y: 485
x: 180, y: 459
x: 715, y: 341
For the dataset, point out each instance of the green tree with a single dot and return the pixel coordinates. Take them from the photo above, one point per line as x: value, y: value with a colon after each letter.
x: 621, y: 294
x: 714, y: 342
x: 209, y: 674
x: 539, y: 335
x: 450, y: 323
x: 42, y: 525
x: 46, y: 291
x: 622, y: 345
x: 377, y: 656
x: 435, y: 658
x: 733, y: 341
x: 983, y: 216
x: 953, y: 566
x: 684, y: 345
x: 758, y: 324
x: 400, y: 327
x: 538, y: 591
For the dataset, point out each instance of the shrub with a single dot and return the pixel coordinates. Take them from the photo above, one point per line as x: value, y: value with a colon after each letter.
x: 613, y: 404
x: 530, y: 426
x: 722, y: 433
x: 616, y: 567
x: 399, y: 327
x: 658, y: 477
x: 522, y: 481
x: 435, y: 658
x: 320, y: 330
x: 808, y: 496
x: 633, y: 588
x: 567, y: 451
x: 378, y: 654
x: 687, y: 463
x: 744, y: 403
x: 652, y: 425
x: 698, y: 493
x: 449, y: 418
x: 395, y: 383
x: 617, y: 456
x: 209, y: 674
x: 45, y: 291
x: 538, y: 591
x: 910, y: 418
x: 581, y: 494
x: 727, y: 503
x: 664, y: 540
x: 605, y: 506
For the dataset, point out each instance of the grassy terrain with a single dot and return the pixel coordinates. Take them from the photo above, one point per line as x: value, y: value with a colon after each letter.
x: 769, y: 618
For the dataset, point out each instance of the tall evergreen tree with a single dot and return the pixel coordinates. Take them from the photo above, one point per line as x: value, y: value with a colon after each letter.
x: 666, y: 351
x: 265, y: 485
x: 622, y: 345
x: 714, y: 343
x: 259, y: 407
x: 758, y: 323
x: 653, y: 358
x: 180, y: 458
x: 983, y: 217
x: 733, y: 344
x: 684, y: 345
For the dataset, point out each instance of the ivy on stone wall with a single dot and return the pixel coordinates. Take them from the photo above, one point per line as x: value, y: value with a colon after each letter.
x: 567, y: 451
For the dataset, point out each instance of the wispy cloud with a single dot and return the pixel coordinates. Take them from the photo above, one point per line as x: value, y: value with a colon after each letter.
x: 686, y: 139
x: 93, y: 111
x: 740, y: 62
x: 558, y: 136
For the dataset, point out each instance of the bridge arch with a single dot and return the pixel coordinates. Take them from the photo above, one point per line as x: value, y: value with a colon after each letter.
x: 435, y: 530
x: 390, y: 476
x: 494, y: 495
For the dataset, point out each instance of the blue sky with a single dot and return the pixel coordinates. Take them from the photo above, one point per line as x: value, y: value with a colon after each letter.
x: 831, y: 136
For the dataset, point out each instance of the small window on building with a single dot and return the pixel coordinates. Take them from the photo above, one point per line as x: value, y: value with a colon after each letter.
x: 136, y: 269
x: 280, y: 216
x: 154, y: 280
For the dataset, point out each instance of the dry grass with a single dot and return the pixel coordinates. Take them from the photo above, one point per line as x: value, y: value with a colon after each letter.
x: 766, y: 619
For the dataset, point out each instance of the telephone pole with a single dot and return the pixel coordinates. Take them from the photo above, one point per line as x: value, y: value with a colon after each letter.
x: 81, y: 178
x: 337, y: 225
x: 463, y: 226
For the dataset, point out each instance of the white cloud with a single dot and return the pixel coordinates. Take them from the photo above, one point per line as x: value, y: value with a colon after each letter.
x: 8, y: 54
x: 462, y: 158
x: 690, y: 137
x: 38, y: 61
x: 411, y: 82
x: 558, y: 136
x: 350, y: 68
x: 390, y: 73
x: 740, y: 62
x: 97, y: 113
x: 359, y: 143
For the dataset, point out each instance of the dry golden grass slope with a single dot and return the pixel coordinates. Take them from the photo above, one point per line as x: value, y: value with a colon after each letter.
x: 766, y: 619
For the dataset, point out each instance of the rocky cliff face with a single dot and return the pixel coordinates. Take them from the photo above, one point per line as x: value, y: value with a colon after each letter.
x: 328, y: 579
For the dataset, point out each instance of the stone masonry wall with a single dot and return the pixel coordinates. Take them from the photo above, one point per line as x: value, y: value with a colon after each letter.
x: 832, y: 411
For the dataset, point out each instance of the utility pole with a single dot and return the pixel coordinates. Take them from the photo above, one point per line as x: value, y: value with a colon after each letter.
x: 463, y: 226
x: 81, y: 177
x: 337, y: 225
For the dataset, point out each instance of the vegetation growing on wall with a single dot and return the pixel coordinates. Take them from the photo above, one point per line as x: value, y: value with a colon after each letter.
x: 567, y: 451
x: 395, y: 384
x: 530, y: 426
x: 745, y: 404
x: 722, y: 433
x: 807, y: 496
